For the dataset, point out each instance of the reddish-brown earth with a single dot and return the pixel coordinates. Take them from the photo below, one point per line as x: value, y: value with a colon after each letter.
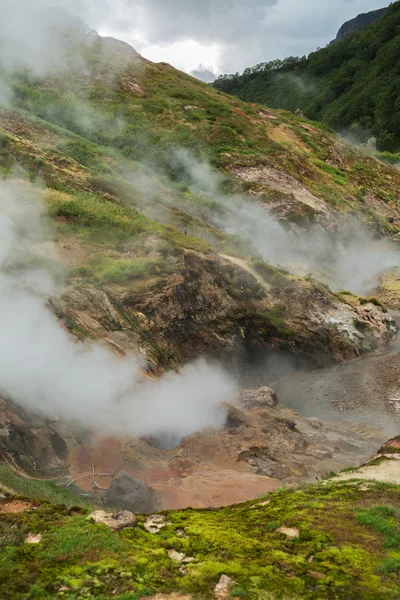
x: 260, y: 451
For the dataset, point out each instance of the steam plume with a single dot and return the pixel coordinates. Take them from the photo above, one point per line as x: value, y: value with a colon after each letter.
x: 43, y: 368
x: 353, y: 263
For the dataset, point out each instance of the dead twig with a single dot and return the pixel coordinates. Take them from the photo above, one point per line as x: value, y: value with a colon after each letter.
x: 90, y: 473
x: 94, y: 479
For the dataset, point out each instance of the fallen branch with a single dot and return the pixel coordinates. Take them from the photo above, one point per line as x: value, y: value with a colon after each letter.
x: 88, y: 475
x: 94, y: 480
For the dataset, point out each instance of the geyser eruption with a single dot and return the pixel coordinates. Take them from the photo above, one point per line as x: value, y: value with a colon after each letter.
x: 44, y: 369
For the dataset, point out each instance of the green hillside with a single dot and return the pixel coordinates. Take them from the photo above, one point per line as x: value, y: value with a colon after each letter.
x: 335, y: 540
x: 142, y: 168
x: 351, y: 85
x: 359, y: 23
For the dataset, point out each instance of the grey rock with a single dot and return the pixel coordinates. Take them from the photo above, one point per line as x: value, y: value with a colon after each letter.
x: 258, y: 399
x: 130, y: 493
x: 155, y: 523
x: 114, y: 521
x: 371, y: 144
x: 315, y: 423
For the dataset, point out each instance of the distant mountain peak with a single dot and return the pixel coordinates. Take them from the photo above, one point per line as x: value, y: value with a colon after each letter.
x: 359, y: 23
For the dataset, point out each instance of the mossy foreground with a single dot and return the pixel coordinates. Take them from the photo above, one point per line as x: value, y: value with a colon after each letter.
x: 348, y: 546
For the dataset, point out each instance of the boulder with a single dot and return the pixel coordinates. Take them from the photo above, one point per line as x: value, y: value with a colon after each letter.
x: 130, y: 493
x: 115, y: 521
x: 223, y: 586
x: 155, y: 523
x: 371, y: 144
x: 258, y: 399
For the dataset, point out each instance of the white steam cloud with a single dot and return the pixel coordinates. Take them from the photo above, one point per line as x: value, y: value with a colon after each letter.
x: 43, y: 368
x: 34, y: 37
x: 349, y: 260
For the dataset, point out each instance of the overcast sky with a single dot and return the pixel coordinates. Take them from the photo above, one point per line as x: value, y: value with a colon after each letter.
x: 216, y: 35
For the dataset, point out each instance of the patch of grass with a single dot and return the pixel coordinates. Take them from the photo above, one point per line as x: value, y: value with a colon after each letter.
x: 386, y: 521
x: 331, y: 195
x: 99, y: 215
x: 269, y: 273
x: 105, y: 270
x: 277, y: 322
x: 338, y: 175
x: 238, y: 541
x: 77, y: 537
x: 84, y: 153
x: 38, y: 489
x: 391, y: 565
x: 375, y: 301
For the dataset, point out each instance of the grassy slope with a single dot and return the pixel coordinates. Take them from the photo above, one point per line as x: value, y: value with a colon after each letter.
x: 172, y: 110
x: 350, y: 84
x: 348, y: 547
x: 102, y: 139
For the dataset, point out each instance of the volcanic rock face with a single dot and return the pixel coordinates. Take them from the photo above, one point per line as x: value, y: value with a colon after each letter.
x: 131, y: 494
x: 34, y: 445
x: 194, y: 313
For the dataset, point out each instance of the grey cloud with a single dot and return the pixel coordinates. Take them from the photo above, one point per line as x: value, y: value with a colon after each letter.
x: 248, y: 31
x: 204, y: 74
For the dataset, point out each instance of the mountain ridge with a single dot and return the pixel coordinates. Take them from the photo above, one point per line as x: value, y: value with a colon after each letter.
x: 358, y: 23
x: 350, y: 85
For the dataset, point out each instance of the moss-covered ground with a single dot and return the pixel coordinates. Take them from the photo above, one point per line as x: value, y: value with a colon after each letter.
x: 348, y: 547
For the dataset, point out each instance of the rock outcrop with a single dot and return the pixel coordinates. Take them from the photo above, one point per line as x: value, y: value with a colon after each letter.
x: 34, y: 445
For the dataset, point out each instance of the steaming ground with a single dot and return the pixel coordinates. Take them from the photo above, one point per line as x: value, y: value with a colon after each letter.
x: 350, y: 259
x: 353, y: 263
x: 44, y: 369
x: 364, y: 390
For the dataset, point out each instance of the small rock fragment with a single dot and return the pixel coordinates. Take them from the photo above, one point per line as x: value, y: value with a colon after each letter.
x: 315, y: 423
x: 291, y: 532
x: 33, y: 538
x: 320, y: 453
x: 265, y: 503
x: 222, y: 588
x: 181, y: 533
x: 317, y: 575
x: 258, y: 399
x: 114, y: 521
x: 176, y: 556
x: 155, y: 523
x: 365, y: 487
